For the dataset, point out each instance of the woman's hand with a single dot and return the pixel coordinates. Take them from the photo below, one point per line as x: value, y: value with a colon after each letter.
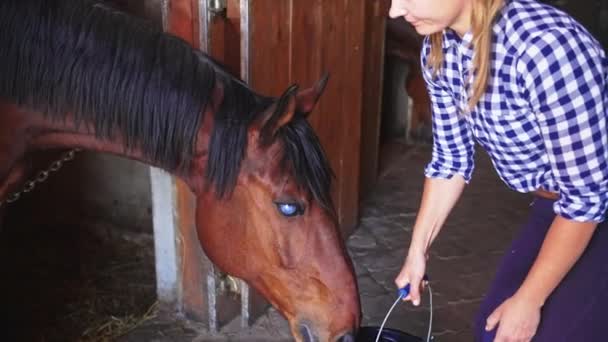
x: 412, y: 273
x: 517, y: 320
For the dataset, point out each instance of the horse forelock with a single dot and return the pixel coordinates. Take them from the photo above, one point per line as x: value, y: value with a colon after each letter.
x: 302, y: 155
x: 305, y: 154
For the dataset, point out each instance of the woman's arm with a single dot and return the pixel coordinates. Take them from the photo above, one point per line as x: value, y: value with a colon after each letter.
x: 438, y: 198
x: 446, y: 174
x: 565, y: 242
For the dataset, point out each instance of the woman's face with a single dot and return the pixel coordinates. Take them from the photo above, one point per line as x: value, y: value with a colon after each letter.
x: 432, y: 16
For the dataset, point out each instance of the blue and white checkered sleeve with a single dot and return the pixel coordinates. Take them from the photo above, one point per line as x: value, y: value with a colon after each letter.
x: 564, y: 76
x: 453, y: 145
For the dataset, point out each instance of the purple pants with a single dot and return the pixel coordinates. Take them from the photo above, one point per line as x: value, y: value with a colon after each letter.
x: 577, y: 309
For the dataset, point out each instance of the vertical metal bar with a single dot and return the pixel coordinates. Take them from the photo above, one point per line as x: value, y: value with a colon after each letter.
x: 203, y: 25
x: 164, y: 10
x: 212, y: 300
x: 245, y: 7
x: 245, y: 309
x: 166, y: 238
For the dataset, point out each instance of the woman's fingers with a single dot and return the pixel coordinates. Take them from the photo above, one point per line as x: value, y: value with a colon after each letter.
x: 412, y: 274
x: 415, y: 290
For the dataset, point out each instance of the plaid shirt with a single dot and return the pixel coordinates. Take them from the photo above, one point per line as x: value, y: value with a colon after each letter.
x: 543, y: 117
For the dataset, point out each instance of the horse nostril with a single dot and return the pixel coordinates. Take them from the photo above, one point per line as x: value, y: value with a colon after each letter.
x: 347, y: 338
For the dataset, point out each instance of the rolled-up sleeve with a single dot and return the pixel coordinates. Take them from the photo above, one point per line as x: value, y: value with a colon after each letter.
x: 453, y: 144
x: 564, y: 76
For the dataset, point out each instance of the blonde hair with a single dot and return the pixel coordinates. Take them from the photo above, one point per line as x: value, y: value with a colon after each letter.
x: 482, y: 19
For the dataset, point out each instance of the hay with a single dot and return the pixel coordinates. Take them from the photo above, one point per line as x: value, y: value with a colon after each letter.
x: 115, y: 327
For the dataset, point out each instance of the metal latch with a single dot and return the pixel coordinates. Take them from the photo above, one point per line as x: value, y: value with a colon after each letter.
x: 217, y: 7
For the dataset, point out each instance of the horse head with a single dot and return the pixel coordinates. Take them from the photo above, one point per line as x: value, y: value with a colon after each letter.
x: 105, y: 82
x: 278, y: 230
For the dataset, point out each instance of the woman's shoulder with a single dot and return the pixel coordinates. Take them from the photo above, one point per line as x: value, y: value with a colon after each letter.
x: 521, y: 23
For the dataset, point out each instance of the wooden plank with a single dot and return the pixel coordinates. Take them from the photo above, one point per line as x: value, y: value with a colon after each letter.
x: 295, y: 41
x: 181, y: 20
x: 340, y: 127
x: 232, y: 37
x: 270, y: 44
x: 375, y: 28
x: 331, y: 109
x: 306, y: 39
x: 194, y: 270
x: 351, y: 116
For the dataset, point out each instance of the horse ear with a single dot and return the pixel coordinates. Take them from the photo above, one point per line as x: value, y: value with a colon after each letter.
x: 281, y: 114
x: 308, y: 98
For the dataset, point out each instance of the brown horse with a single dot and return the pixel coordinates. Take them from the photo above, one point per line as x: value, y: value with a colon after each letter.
x: 78, y: 74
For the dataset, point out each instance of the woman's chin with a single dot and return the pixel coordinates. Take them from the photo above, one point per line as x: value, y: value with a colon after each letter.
x: 426, y: 29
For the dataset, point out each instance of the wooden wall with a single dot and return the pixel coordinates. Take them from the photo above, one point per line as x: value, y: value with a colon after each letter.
x: 375, y: 30
x: 296, y: 41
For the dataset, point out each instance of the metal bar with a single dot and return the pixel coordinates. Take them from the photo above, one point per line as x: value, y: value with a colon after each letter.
x: 203, y: 25
x: 212, y: 301
x: 164, y: 10
x: 245, y: 8
x: 165, y: 237
x: 245, y: 52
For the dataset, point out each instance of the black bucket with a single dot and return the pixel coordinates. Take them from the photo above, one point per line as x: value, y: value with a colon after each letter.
x: 368, y: 334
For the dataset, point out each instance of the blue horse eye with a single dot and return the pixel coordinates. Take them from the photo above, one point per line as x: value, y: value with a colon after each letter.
x: 289, y: 209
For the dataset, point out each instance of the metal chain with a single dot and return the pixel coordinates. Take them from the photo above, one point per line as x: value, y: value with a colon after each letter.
x: 41, y: 177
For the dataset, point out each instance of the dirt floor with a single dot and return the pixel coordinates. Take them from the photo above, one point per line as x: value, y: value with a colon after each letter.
x: 85, y: 282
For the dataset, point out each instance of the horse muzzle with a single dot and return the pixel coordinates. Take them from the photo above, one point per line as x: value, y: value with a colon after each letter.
x: 309, y: 335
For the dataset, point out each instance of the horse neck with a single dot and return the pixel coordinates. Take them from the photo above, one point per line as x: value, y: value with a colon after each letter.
x: 136, y: 78
x: 49, y: 134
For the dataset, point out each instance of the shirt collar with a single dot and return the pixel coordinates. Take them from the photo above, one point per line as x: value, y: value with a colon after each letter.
x: 451, y: 38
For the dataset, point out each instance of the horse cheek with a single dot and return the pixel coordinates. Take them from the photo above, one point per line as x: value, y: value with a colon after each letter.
x: 221, y: 236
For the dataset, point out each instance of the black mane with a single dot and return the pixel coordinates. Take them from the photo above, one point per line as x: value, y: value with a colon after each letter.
x: 123, y: 76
